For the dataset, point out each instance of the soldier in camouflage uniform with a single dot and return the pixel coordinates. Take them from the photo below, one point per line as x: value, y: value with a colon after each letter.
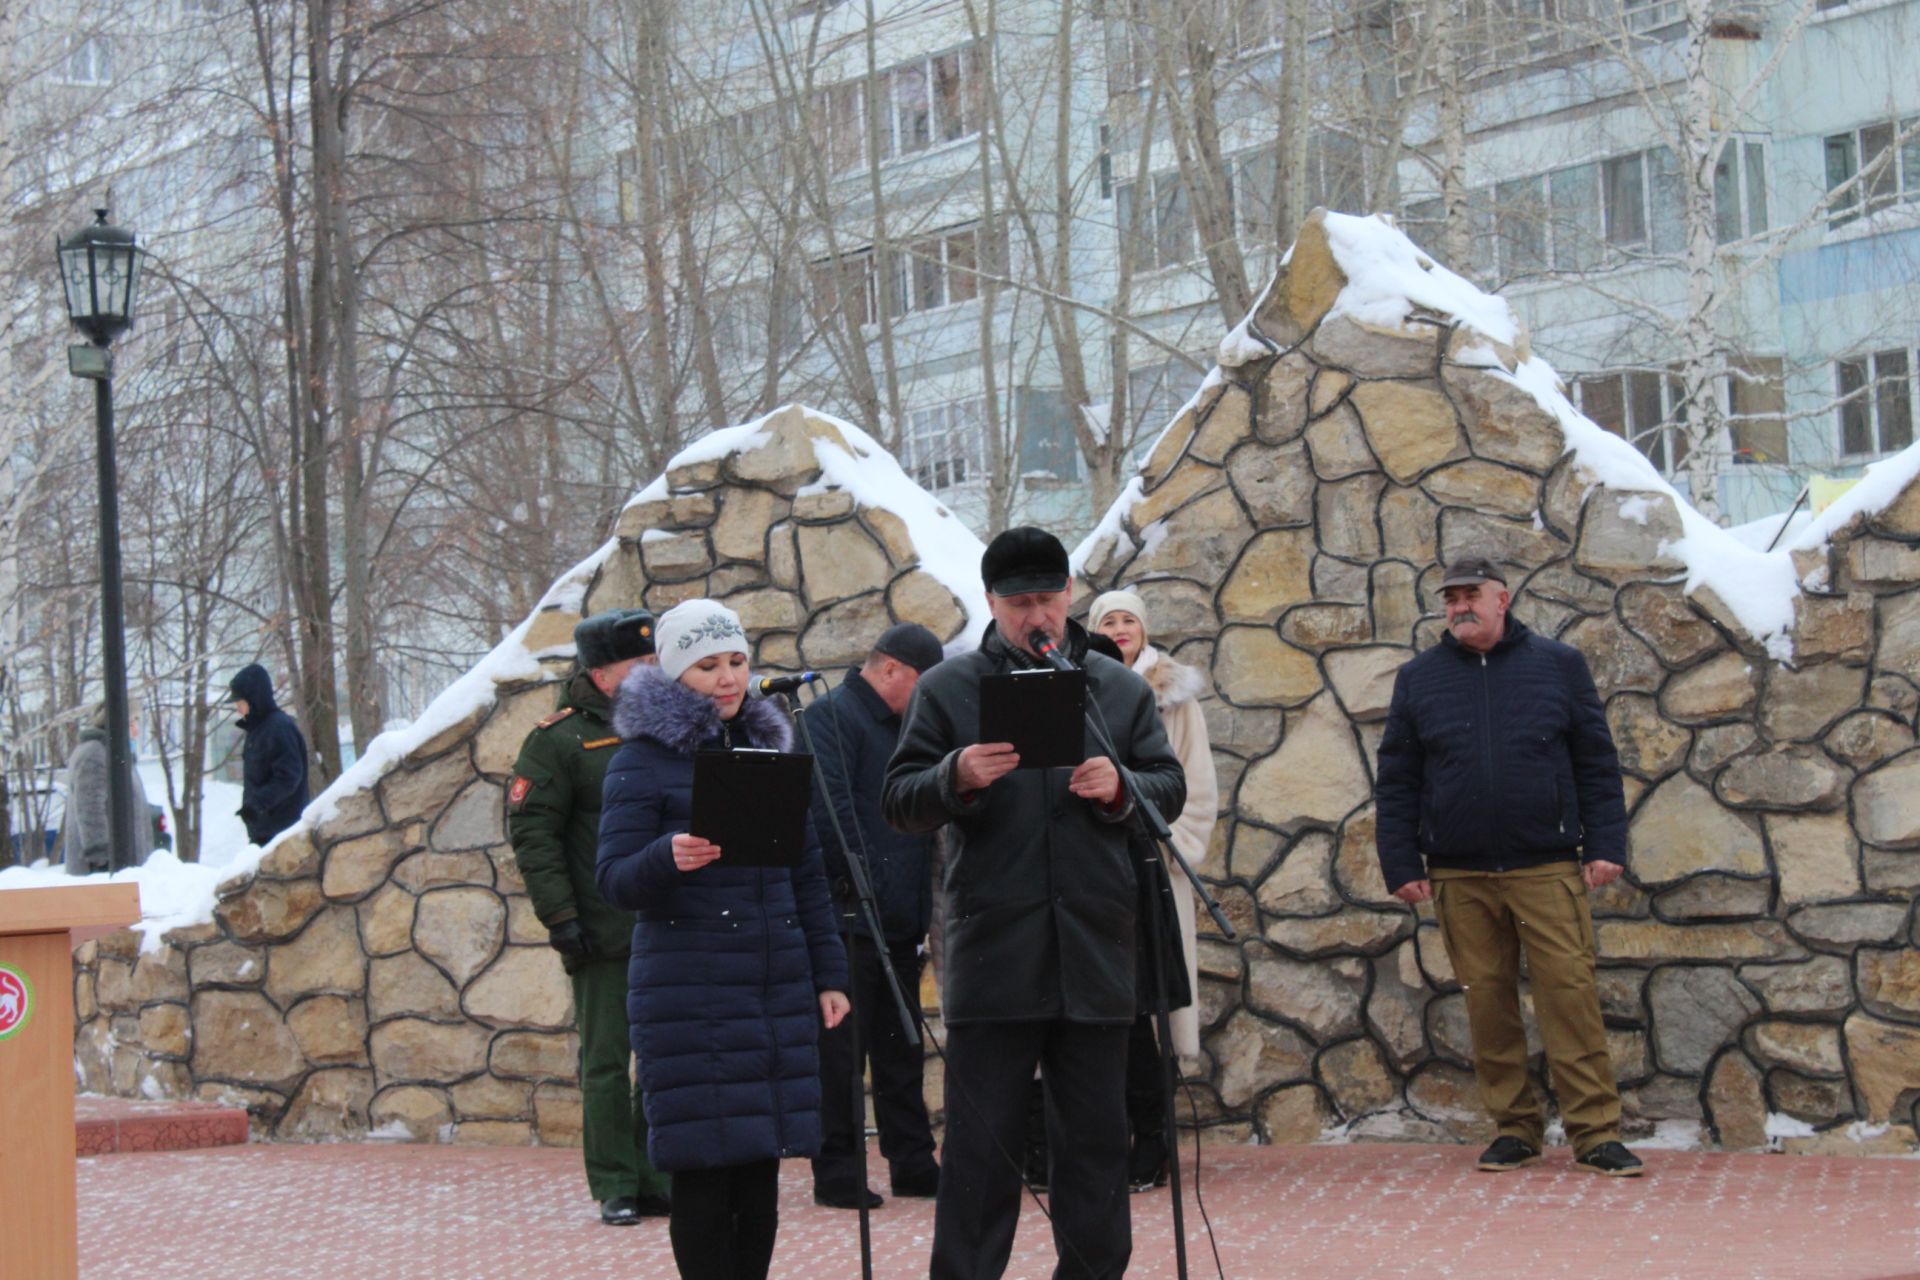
x: 553, y: 808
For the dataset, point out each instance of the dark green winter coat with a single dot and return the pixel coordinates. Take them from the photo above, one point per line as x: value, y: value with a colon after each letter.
x: 553, y: 816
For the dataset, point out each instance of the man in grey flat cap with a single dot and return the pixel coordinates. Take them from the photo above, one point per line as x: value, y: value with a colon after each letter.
x: 1499, y: 799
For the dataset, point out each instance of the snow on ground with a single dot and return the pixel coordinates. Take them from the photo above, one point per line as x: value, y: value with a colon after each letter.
x: 173, y: 894
x: 1672, y: 1135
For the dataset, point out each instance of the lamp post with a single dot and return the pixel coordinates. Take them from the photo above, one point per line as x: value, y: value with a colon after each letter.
x: 97, y: 269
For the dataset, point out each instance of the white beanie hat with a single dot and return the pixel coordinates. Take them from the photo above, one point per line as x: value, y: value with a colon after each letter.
x: 693, y: 630
x: 1119, y: 602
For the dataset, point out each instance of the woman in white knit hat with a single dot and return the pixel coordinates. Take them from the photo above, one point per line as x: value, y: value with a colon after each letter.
x: 734, y: 969
x: 1121, y: 616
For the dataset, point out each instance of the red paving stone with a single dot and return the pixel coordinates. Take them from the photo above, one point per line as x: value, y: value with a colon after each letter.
x: 371, y: 1211
x: 103, y: 1126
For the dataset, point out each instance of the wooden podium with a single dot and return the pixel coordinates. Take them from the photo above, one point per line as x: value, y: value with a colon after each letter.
x: 39, y: 928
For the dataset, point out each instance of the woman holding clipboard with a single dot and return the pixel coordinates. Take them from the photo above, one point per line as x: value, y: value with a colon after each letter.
x: 734, y: 969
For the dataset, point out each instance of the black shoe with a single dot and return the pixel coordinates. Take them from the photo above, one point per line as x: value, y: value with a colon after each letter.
x: 918, y: 1182
x: 1147, y: 1163
x: 653, y: 1205
x: 848, y: 1199
x: 1612, y: 1159
x: 621, y: 1211
x: 1507, y: 1153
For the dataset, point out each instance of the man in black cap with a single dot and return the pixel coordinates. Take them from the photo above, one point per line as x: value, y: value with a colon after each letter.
x: 854, y: 731
x: 1039, y: 904
x: 553, y: 820
x: 1499, y: 799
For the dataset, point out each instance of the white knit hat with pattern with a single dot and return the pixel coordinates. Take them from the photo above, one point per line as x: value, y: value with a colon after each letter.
x: 693, y: 630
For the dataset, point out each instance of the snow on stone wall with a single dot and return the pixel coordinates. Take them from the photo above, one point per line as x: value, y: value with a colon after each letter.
x: 1374, y: 417
x: 381, y: 972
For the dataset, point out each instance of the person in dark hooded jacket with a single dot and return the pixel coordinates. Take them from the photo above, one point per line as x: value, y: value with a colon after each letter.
x: 734, y: 969
x: 274, y: 764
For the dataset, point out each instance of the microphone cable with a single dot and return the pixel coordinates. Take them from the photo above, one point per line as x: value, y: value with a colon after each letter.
x: 1104, y: 738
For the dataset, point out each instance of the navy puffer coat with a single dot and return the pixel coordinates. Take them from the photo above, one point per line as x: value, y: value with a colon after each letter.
x: 728, y: 963
x: 1497, y: 761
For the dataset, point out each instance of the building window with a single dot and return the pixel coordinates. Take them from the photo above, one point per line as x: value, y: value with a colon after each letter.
x: 938, y: 271
x: 914, y: 115
x: 87, y: 60
x: 844, y: 123
x: 1048, y: 446
x: 847, y: 286
x: 1885, y: 159
x: 945, y: 445
x: 1253, y: 26
x: 1739, y: 191
x: 1757, y: 409
x: 1645, y: 407
x: 626, y: 168
x: 1876, y: 403
x: 1155, y: 393
x: 1573, y: 196
x: 1129, y: 49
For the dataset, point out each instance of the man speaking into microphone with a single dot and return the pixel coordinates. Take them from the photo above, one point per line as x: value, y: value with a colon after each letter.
x: 1040, y: 903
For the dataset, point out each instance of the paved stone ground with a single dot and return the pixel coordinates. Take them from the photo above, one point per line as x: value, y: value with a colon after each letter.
x: 369, y: 1212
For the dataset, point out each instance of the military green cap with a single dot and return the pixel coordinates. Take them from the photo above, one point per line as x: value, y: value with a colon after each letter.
x: 614, y: 636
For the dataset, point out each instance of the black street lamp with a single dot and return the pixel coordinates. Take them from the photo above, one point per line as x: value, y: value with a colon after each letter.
x: 98, y: 265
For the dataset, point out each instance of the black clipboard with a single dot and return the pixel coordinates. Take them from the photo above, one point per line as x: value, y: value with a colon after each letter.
x: 1043, y: 713
x: 753, y: 804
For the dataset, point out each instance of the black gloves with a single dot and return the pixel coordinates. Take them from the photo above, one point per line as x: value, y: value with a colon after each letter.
x: 570, y: 940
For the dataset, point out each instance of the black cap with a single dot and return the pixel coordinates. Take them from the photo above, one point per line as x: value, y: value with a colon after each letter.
x: 1468, y: 570
x: 1022, y: 560
x: 614, y: 636
x: 911, y: 643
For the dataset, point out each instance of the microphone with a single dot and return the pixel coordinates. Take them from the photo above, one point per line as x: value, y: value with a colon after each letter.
x: 767, y: 686
x: 1042, y: 643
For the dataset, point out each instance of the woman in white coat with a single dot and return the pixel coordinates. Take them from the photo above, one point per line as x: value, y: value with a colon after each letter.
x: 1121, y: 616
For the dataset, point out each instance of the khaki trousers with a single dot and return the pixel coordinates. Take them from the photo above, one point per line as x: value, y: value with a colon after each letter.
x: 1486, y: 918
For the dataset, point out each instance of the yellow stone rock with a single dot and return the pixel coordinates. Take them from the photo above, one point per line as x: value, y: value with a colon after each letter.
x: 1227, y: 423
x: 891, y: 531
x: 1316, y: 774
x: 1411, y: 427
x: 1255, y: 667
x: 838, y: 561
x: 1886, y: 1063
x: 1185, y: 484
x: 1274, y: 573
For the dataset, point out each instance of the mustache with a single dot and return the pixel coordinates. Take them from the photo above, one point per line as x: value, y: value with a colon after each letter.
x: 1459, y: 618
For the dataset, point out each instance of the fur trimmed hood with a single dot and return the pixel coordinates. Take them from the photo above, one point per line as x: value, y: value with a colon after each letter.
x: 1172, y: 682
x: 649, y: 705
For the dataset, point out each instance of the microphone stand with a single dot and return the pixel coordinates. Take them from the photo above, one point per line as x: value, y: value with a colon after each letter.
x: 868, y: 909
x: 1148, y: 817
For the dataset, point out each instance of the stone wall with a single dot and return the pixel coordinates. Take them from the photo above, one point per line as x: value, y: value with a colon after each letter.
x: 382, y: 970
x: 1759, y: 956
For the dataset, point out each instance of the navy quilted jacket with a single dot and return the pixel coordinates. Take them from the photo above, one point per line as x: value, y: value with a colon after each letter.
x: 1496, y: 761
x: 727, y: 963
